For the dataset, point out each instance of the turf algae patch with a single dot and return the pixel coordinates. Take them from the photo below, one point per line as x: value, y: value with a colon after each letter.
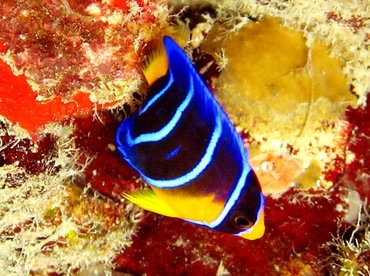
x: 48, y: 221
x: 288, y: 97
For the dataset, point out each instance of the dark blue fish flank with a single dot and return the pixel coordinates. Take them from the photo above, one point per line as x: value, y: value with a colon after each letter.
x: 185, y: 147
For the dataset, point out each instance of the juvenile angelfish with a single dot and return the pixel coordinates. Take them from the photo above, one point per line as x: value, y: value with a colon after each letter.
x: 184, y: 146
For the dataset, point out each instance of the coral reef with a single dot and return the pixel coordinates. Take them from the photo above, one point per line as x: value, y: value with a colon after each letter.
x: 60, y: 60
x: 47, y: 216
x: 348, y: 253
x: 292, y: 75
x: 73, y: 58
x: 290, y: 99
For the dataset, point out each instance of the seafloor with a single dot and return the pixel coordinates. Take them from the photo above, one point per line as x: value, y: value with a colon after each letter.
x: 293, y: 77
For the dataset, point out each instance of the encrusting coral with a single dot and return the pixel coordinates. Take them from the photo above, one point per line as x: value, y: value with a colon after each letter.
x: 61, y: 59
x: 289, y: 99
x: 47, y: 216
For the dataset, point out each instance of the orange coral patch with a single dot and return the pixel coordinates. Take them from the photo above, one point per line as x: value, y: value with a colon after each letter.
x: 275, y: 173
x: 19, y: 105
x: 121, y: 4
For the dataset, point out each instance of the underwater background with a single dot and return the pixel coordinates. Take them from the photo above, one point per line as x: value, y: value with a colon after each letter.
x: 293, y: 77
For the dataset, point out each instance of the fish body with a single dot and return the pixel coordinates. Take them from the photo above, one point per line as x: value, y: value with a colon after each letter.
x: 185, y: 147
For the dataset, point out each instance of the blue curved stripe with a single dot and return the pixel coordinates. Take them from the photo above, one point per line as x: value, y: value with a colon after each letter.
x: 197, y: 170
x: 234, y: 196
x: 163, y: 132
x: 262, y: 200
x: 157, y: 96
x: 230, y: 202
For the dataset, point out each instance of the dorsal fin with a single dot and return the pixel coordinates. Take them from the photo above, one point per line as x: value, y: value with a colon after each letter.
x: 155, y: 64
x: 181, y: 34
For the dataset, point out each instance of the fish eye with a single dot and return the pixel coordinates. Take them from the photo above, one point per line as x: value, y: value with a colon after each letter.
x: 241, y: 221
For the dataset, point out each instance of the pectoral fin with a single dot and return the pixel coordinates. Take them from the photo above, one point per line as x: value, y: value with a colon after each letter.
x: 148, y: 200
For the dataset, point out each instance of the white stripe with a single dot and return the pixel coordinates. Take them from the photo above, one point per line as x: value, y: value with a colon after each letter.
x: 233, y: 198
x: 258, y: 217
x: 163, y: 132
x: 197, y: 170
x: 231, y: 201
x: 157, y: 96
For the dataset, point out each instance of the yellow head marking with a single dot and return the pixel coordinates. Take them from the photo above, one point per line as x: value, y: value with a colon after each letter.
x: 258, y: 229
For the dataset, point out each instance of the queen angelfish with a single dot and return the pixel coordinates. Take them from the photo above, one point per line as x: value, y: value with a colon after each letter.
x: 185, y: 147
